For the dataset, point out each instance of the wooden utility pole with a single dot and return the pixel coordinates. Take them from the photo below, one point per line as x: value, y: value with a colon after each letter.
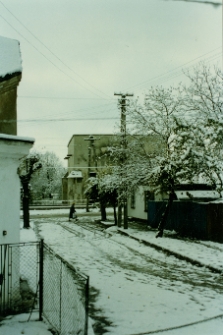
x: 123, y: 160
x: 91, y: 139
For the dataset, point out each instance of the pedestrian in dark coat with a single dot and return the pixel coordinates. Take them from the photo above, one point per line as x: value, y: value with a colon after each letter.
x: 72, y: 211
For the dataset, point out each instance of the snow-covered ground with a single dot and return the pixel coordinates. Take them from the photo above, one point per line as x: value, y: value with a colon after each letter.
x: 19, y: 324
x: 139, y: 290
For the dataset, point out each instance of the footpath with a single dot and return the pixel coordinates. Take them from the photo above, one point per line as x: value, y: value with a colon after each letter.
x: 200, y: 253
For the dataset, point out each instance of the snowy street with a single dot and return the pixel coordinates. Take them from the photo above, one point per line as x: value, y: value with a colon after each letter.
x: 134, y: 288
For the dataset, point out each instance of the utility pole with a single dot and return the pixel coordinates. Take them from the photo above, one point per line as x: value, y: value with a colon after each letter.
x: 123, y: 160
x: 91, y: 139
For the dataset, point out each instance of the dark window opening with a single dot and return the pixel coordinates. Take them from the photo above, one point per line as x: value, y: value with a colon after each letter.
x: 148, y: 195
x: 133, y: 199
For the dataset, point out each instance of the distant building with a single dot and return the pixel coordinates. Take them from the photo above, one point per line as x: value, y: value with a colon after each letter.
x: 86, y: 155
x: 10, y: 76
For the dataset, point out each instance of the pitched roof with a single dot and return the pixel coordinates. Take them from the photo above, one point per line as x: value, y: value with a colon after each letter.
x: 10, y: 57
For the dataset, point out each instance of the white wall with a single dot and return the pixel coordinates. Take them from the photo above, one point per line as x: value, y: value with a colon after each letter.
x: 139, y: 209
x: 12, y: 148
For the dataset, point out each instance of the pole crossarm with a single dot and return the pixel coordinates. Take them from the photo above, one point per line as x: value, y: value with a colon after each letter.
x: 124, y: 94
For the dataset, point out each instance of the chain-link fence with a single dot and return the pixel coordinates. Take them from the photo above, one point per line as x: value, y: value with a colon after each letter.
x: 65, y: 293
x: 33, y: 277
x: 19, y: 277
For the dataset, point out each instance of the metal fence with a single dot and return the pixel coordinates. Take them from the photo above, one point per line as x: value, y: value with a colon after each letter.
x: 19, y: 277
x: 33, y: 277
x: 65, y: 292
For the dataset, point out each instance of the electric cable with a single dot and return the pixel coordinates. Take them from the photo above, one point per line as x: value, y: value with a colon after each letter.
x: 79, y: 110
x: 50, y: 50
x: 61, y: 98
x: 175, y: 69
x: 56, y: 66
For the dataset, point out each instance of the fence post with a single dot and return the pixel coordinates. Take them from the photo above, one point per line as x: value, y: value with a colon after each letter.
x: 61, y: 284
x: 87, y: 306
x: 40, y: 280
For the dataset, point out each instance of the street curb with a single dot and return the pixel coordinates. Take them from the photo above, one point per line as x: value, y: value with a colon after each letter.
x: 45, y: 215
x: 172, y: 253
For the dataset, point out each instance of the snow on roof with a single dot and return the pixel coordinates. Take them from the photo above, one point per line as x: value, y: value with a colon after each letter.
x: 197, y: 194
x: 75, y: 174
x: 7, y: 137
x: 10, y: 56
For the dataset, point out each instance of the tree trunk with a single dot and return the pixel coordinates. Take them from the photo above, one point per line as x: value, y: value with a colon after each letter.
x: 119, y: 215
x: 25, y: 202
x: 103, y: 212
x: 165, y: 214
x: 125, y: 214
x: 87, y: 204
x: 115, y: 215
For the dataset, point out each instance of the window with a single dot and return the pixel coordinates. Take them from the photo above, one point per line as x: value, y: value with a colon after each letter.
x: 133, y: 199
x: 148, y: 195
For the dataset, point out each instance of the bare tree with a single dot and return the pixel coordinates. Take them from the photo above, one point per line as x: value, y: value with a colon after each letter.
x: 105, y: 186
x: 28, y: 166
x: 200, y: 137
x: 157, y: 118
x: 48, y: 180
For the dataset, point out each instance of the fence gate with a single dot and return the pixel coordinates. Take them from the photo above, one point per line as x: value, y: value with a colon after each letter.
x: 33, y: 277
x: 19, y: 277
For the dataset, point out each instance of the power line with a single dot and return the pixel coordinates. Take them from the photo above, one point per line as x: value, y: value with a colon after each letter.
x: 177, y: 74
x: 57, y: 67
x: 212, y: 3
x: 79, y: 110
x: 61, y: 98
x: 177, y: 68
x: 29, y: 124
x: 154, y: 78
x: 56, y: 120
x: 51, y: 51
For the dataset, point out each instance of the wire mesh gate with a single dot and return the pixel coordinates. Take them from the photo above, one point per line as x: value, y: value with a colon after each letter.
x: 19, y: 277
x: 33, y: 277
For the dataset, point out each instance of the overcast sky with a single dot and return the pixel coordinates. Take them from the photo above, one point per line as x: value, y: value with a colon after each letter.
x: 77, y: 53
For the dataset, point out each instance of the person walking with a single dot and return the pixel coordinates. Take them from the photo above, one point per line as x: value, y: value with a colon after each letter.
x: 72, y: 211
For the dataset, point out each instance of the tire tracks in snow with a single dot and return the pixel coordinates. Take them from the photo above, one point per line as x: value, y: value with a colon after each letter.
x: 152, y: 266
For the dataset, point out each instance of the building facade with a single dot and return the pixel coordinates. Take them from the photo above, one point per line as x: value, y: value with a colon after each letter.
x: 12, y: 149
x: 86, y: 156
x: 10, y: 76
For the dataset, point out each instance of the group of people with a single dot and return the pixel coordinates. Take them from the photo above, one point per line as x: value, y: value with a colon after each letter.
x: 72, y: 214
